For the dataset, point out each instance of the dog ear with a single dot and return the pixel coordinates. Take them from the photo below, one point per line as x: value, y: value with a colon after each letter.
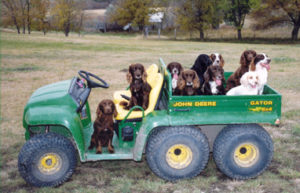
x: 207, y: 75
x: 169, y: 67
x: 223, y: 78
x: 209, y: 61
x: 211, y: 57
x: 243, y: 59
x: 222, y: 62
x: 252, y: 65
x: 129, y: 75
x: 196, y: 81
x: 99, y: 110
x: 244, y: 79
x: 180, y: 69
x: 144, y: 76
x: 181, y: 81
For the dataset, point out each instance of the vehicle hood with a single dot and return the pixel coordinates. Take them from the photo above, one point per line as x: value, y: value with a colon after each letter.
x: 52, y: 94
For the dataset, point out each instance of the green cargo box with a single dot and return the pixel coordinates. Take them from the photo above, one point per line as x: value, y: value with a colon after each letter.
x: 221, y: 109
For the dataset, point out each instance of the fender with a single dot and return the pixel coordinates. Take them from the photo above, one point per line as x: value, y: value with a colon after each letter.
x: 57, y: 115
x: 150, y: 122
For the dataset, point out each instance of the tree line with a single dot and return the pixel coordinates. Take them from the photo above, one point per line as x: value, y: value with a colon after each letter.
x: 199, y: 15
x: 43, y: 15
x: 187, y: 15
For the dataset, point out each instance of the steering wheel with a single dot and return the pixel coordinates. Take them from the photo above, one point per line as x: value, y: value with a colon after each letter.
x: 90, y: 83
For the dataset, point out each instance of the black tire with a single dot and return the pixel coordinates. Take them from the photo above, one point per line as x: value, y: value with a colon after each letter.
x: 243, y: 151
x: 166, y: 145
x: 47, y: 160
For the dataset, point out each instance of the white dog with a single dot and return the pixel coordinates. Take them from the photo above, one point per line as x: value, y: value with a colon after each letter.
x: 250, y: 84
x: 261, y: 65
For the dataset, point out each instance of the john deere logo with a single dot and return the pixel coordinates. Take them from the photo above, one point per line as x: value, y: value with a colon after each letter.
x: 196, y: 104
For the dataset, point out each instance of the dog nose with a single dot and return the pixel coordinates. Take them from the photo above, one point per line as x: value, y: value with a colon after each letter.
x: 269, y: 60
x: 218, y: 61
x: 189, y: 83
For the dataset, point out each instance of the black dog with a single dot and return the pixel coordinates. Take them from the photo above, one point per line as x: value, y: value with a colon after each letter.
x: 200, y: 66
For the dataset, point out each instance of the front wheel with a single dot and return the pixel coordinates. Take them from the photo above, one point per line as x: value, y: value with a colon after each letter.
x: 243, y: 151
x: 47, y: 160
x: 175, y: 153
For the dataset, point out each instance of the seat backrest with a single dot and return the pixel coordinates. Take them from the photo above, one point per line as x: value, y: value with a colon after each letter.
x: 155, y: 80
x: 156, y: 83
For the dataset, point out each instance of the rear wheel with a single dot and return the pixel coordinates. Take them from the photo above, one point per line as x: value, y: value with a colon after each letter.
x: 243, y: 151
x: 177, y: 152
x: 47, y: 160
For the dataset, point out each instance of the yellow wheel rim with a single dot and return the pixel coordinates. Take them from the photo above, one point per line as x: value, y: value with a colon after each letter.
x: 179, y: 156
x: 50, y: 163
x: 246, y: 155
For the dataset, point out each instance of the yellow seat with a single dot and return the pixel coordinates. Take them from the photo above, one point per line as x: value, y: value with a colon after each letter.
x: 155, y: 79
x: 151, y: 71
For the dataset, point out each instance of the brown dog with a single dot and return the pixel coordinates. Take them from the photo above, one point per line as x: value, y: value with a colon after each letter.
x: 246, y: 58
x: 188, y: 83
x: 139, y: 88
x: 103, y: 126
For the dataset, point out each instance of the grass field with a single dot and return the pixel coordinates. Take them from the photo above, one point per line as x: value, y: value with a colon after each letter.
x: 29, y: 62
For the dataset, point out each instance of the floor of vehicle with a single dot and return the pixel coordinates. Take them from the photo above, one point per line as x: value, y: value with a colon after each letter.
x: 120, y: 153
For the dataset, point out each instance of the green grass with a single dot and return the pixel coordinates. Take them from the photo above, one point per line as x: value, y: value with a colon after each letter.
x: 31, y: 61
x: 292, y: 114
x: 23, y: 68
x: 283, y: 60
x: 296, y: 130
x: 15, y: 44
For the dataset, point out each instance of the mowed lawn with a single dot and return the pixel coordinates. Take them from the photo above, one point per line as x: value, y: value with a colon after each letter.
x: 31, y: 61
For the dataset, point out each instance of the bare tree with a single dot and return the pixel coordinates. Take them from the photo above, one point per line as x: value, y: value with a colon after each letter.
x: 22, y: 6
x: 276, y: 12
x: 28, y: 6
x: 11, y: 9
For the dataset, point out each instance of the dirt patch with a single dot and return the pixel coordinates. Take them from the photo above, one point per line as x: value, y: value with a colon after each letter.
x: 124, y: 70
x: 297, y: 183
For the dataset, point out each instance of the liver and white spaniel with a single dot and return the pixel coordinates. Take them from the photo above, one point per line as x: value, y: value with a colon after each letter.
x: 175, y: 69
x: 217, y: 59
x: 261, y: 65
x: 214, y: 80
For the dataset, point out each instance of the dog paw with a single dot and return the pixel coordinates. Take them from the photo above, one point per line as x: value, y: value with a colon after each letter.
x: 111, y: 150
x: 99, y: 152
x: 90, y: 147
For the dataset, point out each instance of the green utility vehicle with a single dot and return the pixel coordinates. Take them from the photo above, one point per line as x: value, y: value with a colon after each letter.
x: 176, y: 133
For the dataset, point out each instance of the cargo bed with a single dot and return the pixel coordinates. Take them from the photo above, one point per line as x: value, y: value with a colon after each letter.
x: 221, y: 109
